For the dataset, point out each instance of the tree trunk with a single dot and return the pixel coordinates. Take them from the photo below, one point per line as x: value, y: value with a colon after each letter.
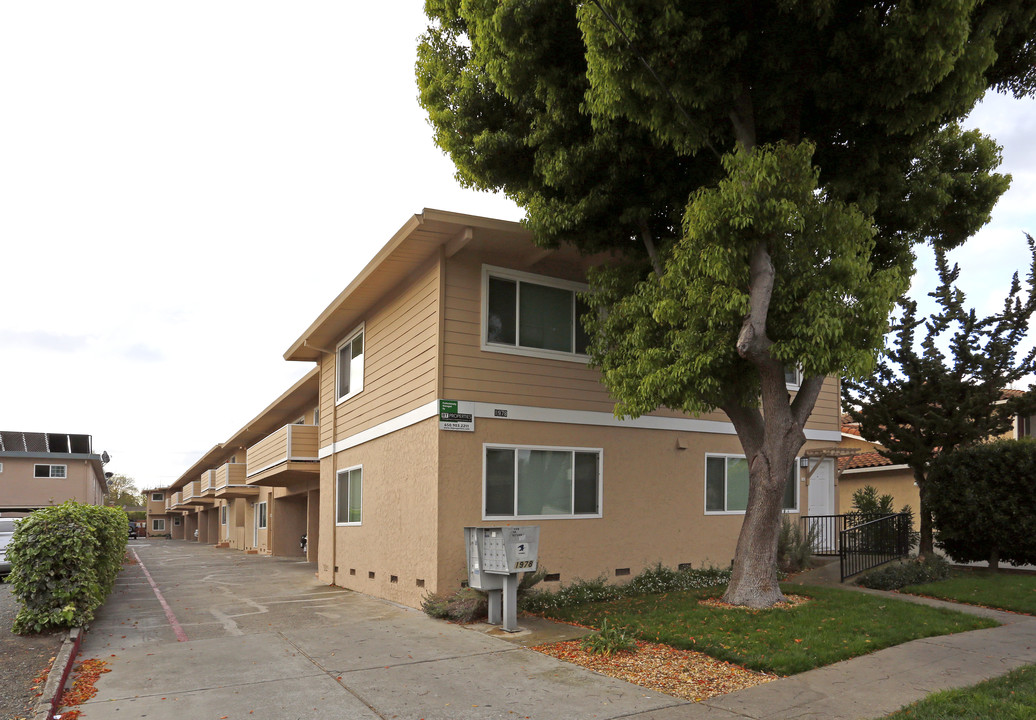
x: 926, y: 543
x: 770, y: 446
x: 994, y: 560
x: 753, y: 581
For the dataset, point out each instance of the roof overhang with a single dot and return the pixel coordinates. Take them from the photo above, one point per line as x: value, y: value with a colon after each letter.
x: 422, y: 237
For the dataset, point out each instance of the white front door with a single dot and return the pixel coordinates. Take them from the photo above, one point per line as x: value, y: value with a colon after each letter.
x: 822, y: 488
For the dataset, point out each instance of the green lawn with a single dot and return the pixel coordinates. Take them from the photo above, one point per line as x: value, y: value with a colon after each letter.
x: 834, y: 626
x: 1011, y: 697
x: 1006, y: 591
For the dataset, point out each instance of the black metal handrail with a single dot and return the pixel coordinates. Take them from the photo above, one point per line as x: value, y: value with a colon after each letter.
x: 824, y: 531
x: 874, y: 543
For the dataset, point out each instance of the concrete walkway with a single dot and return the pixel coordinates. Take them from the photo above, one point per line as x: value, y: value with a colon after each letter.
x: 243, y: 636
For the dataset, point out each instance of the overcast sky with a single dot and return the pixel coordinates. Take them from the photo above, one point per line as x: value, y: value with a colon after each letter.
x: 185, y: 186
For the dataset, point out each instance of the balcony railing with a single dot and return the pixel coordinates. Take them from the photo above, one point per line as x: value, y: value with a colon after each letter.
x: 208, y: 481
x: 291, y: 443
x: 228, y: 474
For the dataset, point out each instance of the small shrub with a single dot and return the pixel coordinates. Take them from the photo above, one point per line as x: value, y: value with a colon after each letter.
x: 911, y: 572
x: 653, y: 580
x: 609, y: 640
x: 795, y: 551
x: 64, y: 561
x: 465, y: 605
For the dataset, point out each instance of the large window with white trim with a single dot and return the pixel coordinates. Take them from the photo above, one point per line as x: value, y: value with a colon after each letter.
x: 726, y: 485
x: 533, y: 315
x: 541, y: 482
x: 157, y: 497
x: 50, y: 471
x: 349, y: 371
x: 158, y: 525
x: 349, y: 496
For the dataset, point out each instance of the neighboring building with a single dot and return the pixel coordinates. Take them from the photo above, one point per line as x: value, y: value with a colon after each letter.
x: 465, y: 316
x: 869, y: 467
x: 159, y: 520
x: 42, y: 469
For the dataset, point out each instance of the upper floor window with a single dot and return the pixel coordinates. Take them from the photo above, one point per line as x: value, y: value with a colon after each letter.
x: 50, y: 471
x: 792, y: 377
x: 157, y: 497
x: 349, y: 377
x: 726, y: 485
x: 533, y: 315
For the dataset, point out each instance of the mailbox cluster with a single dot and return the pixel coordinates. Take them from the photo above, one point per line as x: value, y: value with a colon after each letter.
x: 496, y: 557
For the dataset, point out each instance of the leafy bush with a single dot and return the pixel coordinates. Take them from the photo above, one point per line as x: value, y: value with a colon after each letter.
x: 64, y: 561
x: 466, y: 605
x: 653, y: 580
x: 983, y: 504
x: 910, y: 572
x: 609, y: 640
x: 795, y: 551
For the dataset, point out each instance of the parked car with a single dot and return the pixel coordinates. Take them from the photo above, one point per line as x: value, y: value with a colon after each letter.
x: 6, y: 532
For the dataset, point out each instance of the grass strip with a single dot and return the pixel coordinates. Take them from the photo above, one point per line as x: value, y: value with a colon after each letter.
x: 1005, y: 591
x: 835, y: 625
x: 1011, y: 697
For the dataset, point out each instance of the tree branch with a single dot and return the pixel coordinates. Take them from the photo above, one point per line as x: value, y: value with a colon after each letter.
x: 752, y: 341
x: 652, y: 251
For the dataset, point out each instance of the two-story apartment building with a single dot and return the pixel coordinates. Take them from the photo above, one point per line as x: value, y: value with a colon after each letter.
x: 258, y: 491
x: 454, y: 391
x: 41, y: 469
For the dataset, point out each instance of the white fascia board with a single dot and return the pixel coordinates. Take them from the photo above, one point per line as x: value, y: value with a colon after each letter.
x: 879, y: 468
x: 488, y: 411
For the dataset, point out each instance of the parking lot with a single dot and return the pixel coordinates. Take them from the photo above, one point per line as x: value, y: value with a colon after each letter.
x: 230, y: 635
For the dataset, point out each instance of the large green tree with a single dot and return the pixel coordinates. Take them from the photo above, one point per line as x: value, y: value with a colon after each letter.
x: 761, y: 169
x: 945, y: 390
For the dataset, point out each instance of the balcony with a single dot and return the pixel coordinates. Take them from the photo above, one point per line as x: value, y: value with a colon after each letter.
x: 286, y: 458
x: 175, y: 501
x: 229, y: 481
x: 208, y: 483
x: 192, y: 494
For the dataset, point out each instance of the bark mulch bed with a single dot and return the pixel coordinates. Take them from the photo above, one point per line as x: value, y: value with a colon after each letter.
x: 683, y: 673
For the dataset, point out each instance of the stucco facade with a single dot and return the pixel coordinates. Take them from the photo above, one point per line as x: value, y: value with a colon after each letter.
x: 396, y: 490
x: 43, y: 469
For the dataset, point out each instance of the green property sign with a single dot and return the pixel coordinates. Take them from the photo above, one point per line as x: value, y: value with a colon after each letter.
x: 457, y: 415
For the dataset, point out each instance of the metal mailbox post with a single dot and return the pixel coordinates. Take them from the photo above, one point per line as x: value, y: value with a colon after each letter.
x: 496, y: 556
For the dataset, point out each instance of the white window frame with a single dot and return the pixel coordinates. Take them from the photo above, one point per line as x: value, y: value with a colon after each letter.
x: 338, y: 490
x: 51, y: 475
x: 176, y: 522
x: 157, y: 497
x: 516, y: 349
x: 355, y: 378
x: 1, y: 467
x: 554, y: 448
x: 157, y: 524
x: 223, y: 513
x: 262, y: 519
x: 798, y: 379
x: 735, y: 456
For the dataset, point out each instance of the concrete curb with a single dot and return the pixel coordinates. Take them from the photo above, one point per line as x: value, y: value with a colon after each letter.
x: 58, y: 676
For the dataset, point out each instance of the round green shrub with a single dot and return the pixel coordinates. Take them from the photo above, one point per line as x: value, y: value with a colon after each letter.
x: 64, y: 562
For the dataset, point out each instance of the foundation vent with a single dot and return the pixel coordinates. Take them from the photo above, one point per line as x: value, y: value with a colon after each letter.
x: 619, y: 572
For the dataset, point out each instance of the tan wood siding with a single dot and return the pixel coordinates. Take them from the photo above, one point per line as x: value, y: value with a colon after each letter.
x: 400, y: 358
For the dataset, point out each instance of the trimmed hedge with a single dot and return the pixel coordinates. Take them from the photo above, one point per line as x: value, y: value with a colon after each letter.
x: 64, y: 561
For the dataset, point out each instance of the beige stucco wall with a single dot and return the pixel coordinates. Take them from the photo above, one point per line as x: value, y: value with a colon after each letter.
x: 653, y: 500
x: 899, y: 483
x: 18, y: 487
x: 398, y: 533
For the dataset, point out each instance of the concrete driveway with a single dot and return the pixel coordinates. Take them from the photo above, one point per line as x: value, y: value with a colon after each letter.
x: 193, y: 632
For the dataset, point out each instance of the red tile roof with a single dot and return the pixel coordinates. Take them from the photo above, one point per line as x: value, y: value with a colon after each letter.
x: 863, y: 460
